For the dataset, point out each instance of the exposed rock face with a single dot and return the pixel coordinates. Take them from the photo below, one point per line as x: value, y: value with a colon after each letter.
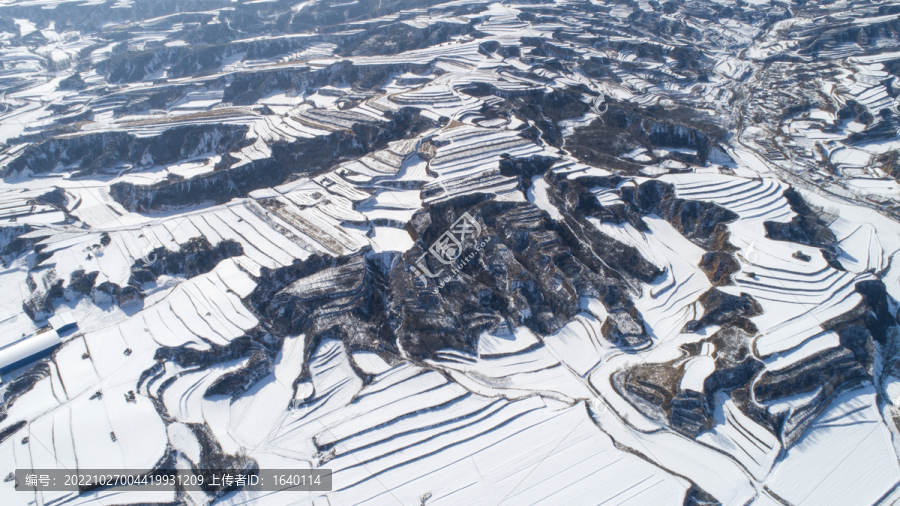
x: 890, y: 163
x: 624, y: 330
x: 11, y: 242
x: 522, y: 268
x: 242, y: 347
x: 808, y: 227
x: 704, y: 223
x: 307, y: 157
x: 19, y: 386
x: 129, y: 296
x: 878, y: 317
x: 828, y: 370
x: 719, y: 267
x: 45, y: 286
x: 620, y: 261
x: 650, y: 388
x: 237, y: 382
x: 106, y: 292
x: 196, y: 256
x: 866, y: 324
x: 656, y: 389
x: 736, y: 367
x: 698, y: 497
x: 92, y: 153
x: 403, y: 37
x: 827, y: 373
x: 723, y: 308
x: 56, y: 197
x: 82, y: 282
x: 625, y: 127
x: 461, y: 111
x: 690, y: 413
x: 339, y: 298
x: 213, y: 457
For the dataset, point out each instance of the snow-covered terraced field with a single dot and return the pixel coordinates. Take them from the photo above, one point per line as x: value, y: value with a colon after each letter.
x: 456, y: 252
x: 410, y: 429
x: 797, y: 296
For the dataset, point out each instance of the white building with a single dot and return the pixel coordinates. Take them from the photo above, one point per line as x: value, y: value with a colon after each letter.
x: 28, y: 350
x: 63, y: 322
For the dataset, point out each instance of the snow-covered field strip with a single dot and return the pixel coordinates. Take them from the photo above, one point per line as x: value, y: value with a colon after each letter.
x: 754, y: 447
x: 470, y: 161
x: 103, y: 423
x: 271, y: 237
x: 797, y: 297
x: 507, y: 424
x: 847, y: 444
x: 670, y: 302
x: 410, y: 431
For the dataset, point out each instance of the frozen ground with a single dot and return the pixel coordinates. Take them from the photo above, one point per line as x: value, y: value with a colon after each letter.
x: 579, y: 252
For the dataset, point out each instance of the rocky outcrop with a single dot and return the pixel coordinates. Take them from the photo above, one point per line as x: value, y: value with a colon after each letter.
x: 650, y: 388
x: 699, y: 497
x: 866, y: 324
x: 213, y: 458
x: 878, y: 317
x: 18, y: 386
x: 576, y: 204
x: 656, y: 389
x: 10, y: 244
x: 690, y: 413
x: 725, y: 309
x: 826, y: 373
x: 80, y: 283
x: 248, y: 87
x: 625, y: 127
x: 307, y: 157
x: 194, y: 257
x: 235, y: 383
x: 401, y: 37
x: 808, y: 227
x: 517, y: 266
x: 719, y: 267
x: 704, y: 223
x: 92, y: 153
x: 45, y: 286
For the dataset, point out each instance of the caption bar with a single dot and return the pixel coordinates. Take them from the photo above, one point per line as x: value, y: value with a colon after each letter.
x: 263, y: 480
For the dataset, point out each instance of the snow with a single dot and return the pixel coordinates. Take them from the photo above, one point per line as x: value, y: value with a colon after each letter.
x: 390, y: 239
x: 579, y: 344
x: 537, y: 195
x: 739, y: 436
x: 845, y: 457
x: 696, y: 371
x: 467, y: 428
x: 488, y: 446
x: 667, y: 303
x: 181, y: 437
x: 369, y: 362
x: 506, y: 343
x: 75, y: 370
